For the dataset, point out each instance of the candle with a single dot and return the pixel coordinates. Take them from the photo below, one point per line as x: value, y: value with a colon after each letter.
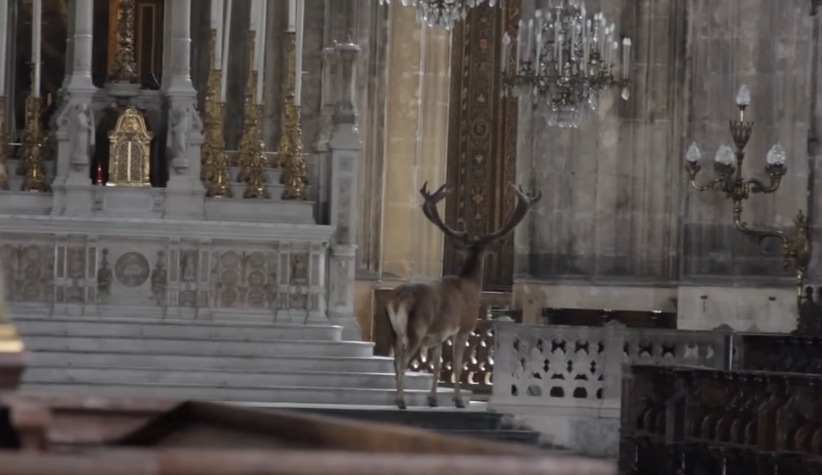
x: 557, y: 45
x: 586, y: 48
x: 540, y: 26
x: 4, y: 35
x: 560, y: 67
x: 529, y: 45
x: 519, y: 43
x: 36, y: 36
x: 574, y: 34
x: 292, y: 16
x: 298, y: 59
x: 259, y: 48
x: 252, y: 21
x: 506, y: 47
x: 226, y: 37
x: 609, y: 42
x: 217, y: 12
x: 626, y: 57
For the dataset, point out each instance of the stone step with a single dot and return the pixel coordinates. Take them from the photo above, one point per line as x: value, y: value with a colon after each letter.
x: 279, y: 394
x: 251, y: 363
x: 183, y: 330
x: 200, y: 347
x: 170, y: 376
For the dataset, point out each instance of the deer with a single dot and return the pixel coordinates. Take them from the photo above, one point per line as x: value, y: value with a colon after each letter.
x: 426, y: 315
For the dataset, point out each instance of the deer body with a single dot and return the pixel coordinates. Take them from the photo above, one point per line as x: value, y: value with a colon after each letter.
x: 424, y: 316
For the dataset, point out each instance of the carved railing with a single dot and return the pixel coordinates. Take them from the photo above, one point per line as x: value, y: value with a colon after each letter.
x: 696, y: 421
x: 647, y: 346
x: 477, y: 361
x: 581, y: 367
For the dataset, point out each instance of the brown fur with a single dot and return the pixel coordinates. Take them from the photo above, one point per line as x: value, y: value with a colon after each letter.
x: 424, y: 316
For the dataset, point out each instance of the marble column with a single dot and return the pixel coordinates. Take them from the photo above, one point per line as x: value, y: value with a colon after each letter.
x: 69, y: 46
x: 324, y: 132
x: 344, y: 146
x: 184, y: 190
x: 72, y: 193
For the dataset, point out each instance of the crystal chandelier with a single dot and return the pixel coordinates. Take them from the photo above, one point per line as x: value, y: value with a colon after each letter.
x: 564, y: 58
x: 442, y: 13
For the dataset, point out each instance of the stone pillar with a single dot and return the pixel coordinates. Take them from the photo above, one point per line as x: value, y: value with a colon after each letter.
x: 184, y: 191
x: 72, y: 192
x: 72, y: 9
x: 345, y: 148
x: 324, y: 132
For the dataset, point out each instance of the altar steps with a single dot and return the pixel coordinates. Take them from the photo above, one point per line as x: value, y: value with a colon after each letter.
x: 237, y: 362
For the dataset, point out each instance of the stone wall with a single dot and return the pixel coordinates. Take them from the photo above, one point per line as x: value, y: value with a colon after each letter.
x: 617, y: 208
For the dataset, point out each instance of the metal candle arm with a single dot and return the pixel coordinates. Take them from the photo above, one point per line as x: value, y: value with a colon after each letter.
x: 795, y: 248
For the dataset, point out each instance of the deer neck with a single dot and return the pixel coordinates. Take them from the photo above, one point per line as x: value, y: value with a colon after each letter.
x: 473, y: 268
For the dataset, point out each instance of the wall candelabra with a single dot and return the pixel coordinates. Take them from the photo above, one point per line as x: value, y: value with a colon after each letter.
x: 737, y: 188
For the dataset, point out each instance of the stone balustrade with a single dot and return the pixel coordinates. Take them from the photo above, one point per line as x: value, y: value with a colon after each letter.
x: 638, y: 345
x: 692, y: 421
x: 566, y: 381
x: 559, y: 365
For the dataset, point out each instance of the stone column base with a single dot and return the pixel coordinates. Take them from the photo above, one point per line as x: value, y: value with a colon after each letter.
x: 349, y: 323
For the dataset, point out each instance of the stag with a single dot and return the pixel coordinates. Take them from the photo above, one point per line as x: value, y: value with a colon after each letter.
x: 424, y: 316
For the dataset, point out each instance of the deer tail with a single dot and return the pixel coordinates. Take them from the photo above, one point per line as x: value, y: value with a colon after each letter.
x: 398, y: 316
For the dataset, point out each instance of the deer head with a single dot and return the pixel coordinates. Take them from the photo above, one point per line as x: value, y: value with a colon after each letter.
x: 460, y: 239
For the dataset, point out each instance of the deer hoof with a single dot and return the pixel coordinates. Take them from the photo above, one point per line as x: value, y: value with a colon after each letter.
x: 459, y: 403
x: 401, y: 404
x: 432, y: 401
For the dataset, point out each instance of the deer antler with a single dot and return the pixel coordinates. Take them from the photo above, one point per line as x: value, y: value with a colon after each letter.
x: 524, y: 203
x: 429, y: 209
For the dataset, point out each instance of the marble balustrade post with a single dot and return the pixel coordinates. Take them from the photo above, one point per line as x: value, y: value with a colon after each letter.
x: 344, y: 146
x: 184, y: 189
x: 72, y: 179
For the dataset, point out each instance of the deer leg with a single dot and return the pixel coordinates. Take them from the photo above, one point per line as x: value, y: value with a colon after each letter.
x: 436, y: 357
x: 459, y: 350
x: 400, y: 364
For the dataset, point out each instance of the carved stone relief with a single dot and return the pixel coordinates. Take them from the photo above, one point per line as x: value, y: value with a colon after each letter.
x: 256, y: 282
x: 104, y: 277
x: 74, y: 291
x: 271, y: 283
x: 114, y: 272
x: 341, y: 276
x: 226, y: 279
x: 344, y: 212
x: 29, y: 271
x: 76, y: 262
x: 188, y: 266
x: 159, y: 279
x: 132, y: 269
x: 299, y: 268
